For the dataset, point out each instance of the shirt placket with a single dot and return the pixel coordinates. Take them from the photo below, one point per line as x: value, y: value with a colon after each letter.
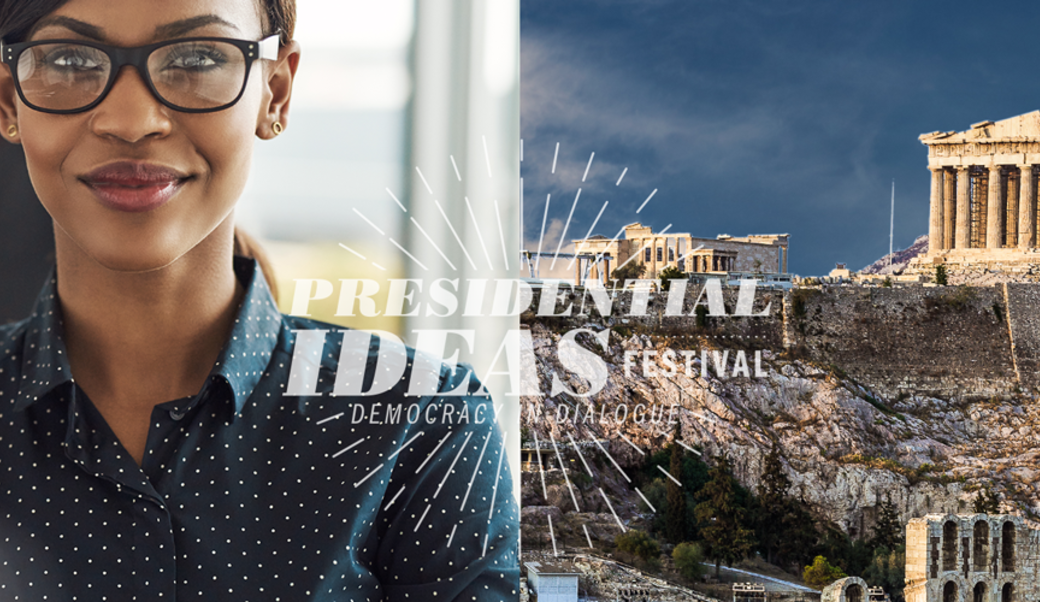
x: 96, y: 451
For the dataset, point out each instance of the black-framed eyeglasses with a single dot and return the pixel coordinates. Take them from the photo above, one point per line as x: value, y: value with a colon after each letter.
x: 193, y: 75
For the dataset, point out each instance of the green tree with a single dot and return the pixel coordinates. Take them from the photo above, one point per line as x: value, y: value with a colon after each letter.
x: 888, y: 569
x: 689, y: 559
x: 722, y: 516
x: 675, y: 517
x: 774, y: 505
x: 668, y: 274
x: 638, y: 544
x: 986, y: 502
x: 821, y: 573
x: 888, y: 532
x: 631, y: 271
x: 940, y: 275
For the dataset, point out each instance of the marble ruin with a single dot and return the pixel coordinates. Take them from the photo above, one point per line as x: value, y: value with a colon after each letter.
x: 970, y: 558
x: 847, y: 589
x: 759, y: 253
x: 984, y: 190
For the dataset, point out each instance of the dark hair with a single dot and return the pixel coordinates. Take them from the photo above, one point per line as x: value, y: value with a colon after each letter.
x: 18, y: 17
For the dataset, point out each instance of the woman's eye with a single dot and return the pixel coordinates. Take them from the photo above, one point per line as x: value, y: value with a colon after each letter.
x: 73, y: 60
x: 196, y: 60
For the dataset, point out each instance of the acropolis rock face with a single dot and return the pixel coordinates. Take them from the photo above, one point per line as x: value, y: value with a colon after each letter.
x: 850, y: 433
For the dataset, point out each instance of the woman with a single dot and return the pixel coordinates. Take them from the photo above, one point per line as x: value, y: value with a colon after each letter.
x: 149, y: 448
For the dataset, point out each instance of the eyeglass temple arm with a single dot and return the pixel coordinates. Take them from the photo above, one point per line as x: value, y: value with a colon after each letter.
x: 269, y: 47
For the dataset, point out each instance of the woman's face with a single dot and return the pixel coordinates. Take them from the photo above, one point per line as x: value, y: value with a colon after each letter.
x: 131, y: 183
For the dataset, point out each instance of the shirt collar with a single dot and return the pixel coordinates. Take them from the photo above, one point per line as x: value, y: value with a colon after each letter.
x: 240, y: 365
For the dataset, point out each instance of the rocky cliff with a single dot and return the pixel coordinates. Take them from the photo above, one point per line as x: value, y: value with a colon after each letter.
x: 845, y: 444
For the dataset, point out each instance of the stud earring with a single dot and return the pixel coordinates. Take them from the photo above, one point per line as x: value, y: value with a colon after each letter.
x: 12, y: 131
x: 277, y: 128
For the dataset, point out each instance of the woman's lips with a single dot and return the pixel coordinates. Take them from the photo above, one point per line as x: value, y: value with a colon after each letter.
x: 134, y: 187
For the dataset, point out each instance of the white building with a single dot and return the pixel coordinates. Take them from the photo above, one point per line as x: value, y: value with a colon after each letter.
x: 556, y: 582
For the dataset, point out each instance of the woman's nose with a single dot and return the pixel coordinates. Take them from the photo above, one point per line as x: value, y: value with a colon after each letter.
x: 131, y: 112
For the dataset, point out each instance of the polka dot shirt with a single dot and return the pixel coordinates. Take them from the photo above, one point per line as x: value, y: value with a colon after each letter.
x: 247, y: 492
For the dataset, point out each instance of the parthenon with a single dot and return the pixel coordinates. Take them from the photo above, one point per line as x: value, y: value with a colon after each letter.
x: 984, y: 190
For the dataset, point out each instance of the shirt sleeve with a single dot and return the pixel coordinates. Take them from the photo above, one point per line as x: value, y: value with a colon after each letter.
x: 451, y: 521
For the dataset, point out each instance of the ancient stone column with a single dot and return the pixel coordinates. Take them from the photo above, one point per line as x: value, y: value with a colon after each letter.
x: 1011, y: 215
x: 935, y: 216
x: 1026, y: 208
x: 963, y: 230
x: 994, y: 211
x: 949, y: 207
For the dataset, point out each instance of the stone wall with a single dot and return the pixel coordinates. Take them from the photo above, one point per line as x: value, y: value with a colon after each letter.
x: 970, y: 557
x: 912, y: 340
x: 939, y: 341
x: 1023, y: 302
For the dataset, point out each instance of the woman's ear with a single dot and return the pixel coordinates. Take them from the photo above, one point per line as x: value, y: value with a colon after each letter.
x: 8, y: 107
x: 274, y: 110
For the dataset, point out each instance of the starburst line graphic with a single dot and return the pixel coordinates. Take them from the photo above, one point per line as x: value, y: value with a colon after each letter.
x: 688, y: 447
x: 566, y: 228
x: 349, y: 447
x: 330, y: 418
x: 541, y: 238
x: 563, y: 235
x: 541, y: 467
x: 652, y: 509
x: 484, y: 236
x: 634, y: 446
x: 589, y: 165
x: 435, y: 246
x: 669, y: 475
x: 452, y: 536
x: 419, y: 522
x: 433, y: 453
x: 423, y: 178
x: 455, y: 233
x: 394, y: 499
x: 452, y: 467
x: 502, y: 236
x: 584, y: 241
x: 480, y: 237
x: 487, y: 157
x: 494, y: 493
x: 563, y: 467
x: 476, y: 469
x: 612, y: 460
x: 552, y: 535
x: 396, y: 200
x: 611, y: 506
x: 369, y: 475
x: 580, y: 455
x: 455, y: 167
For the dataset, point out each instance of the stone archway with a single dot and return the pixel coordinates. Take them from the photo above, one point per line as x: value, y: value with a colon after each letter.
x: 949, y: 592
x: 1007, y: 546
x: 1007, y: 593
x: 949, y: 546
x: 979, y: 593
x: 980, y: 545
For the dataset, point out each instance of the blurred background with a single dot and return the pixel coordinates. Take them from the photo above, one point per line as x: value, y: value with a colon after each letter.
x: 400, y: 161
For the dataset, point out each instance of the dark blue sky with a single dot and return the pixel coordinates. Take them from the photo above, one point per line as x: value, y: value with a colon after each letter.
x: 761, y: 116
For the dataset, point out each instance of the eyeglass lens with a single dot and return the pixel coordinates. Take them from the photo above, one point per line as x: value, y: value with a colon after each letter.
x: 194, y: 74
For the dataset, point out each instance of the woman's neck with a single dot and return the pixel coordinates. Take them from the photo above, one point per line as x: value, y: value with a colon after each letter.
x: 138, y: 339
